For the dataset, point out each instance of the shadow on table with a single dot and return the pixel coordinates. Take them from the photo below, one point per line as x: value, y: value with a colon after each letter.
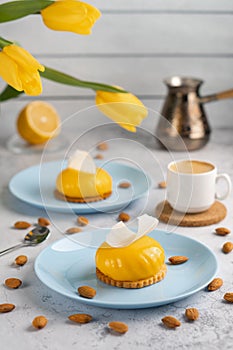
x: 19, y: 206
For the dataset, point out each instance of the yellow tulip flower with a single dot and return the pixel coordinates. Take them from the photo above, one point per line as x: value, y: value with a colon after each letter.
x: 70, y: 15
x: 20, y: 70
x: 123, y: 108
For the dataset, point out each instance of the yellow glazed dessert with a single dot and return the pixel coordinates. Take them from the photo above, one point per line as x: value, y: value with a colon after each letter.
x: 81, y: 181
x: 130, y: 260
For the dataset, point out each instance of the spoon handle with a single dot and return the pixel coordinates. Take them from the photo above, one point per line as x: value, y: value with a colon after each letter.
x: 11, y: 248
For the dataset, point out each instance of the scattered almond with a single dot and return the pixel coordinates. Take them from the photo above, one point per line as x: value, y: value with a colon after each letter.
x: 73, y: 230
x: 21, y: 225
x: 82, y: 221
x: 123, y: 217
x: 228, y: 297
x: 21, y: 260
x: 124, y: 184
x: 87, y: 292
x: 103, y: 146
x: 99, y: 156
x: 6, y: 308
x: 80, y: 318
x: 119, y: 327
x: 39, y: 322
x: 215, y: 284
x: 176, y: 260
x: 171, y: 322
x: 192, y: 314
x: 222, y: 231
x: 162, y: 184
x: 44, y: 222
x: 13, y: 283
x: 227, y: 247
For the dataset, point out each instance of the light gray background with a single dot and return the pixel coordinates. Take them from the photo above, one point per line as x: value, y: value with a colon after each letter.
x: 135, y: 44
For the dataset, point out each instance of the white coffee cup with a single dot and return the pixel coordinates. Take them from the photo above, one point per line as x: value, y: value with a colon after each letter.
x: 191, y: 185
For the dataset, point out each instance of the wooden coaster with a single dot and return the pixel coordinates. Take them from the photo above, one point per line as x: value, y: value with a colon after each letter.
x: 214, y: 214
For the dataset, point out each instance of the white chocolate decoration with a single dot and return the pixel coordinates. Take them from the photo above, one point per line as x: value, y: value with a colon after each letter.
x: 121, y: 236
x: 82, y: 161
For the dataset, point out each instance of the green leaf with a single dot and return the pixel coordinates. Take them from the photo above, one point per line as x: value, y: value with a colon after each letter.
x: 58, y: 77
x: 63, y: 78
x: 8, y: 93
x: 10, y: 11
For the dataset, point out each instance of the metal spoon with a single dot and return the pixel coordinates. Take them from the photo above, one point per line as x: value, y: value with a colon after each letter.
x: 34, y: 237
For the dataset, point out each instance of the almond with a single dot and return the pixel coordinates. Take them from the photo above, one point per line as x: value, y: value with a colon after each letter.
x: 86, y: 292
x: 82, y: 221
x: 222, y: 231
x: 192, y: 314
x: 124, y: 184
x: 215, y: 284
x: 21, y: 225
x: 179, y: 259
x: 119, y: 327
x: 43, y: 222
x: 21, y: 260
x: 123, y: 217
x: 103, y: 146
x: 73, y: 230
x: 80, y: 318
x: 171, y: 322
x: 162, y: 184
x: 99, y: 156
x: 39, y: 322
x: 6, y: 308
x: 228, y: 297
x: 13, y: 283
x: 227, y: 247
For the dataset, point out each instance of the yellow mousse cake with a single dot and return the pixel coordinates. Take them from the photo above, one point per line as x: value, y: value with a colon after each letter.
x: 129, y: 260
x: 81, y: 181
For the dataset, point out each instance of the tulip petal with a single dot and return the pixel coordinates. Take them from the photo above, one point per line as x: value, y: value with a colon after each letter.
x: 31, y: 82
x: 85, y: 26
x: 61, y: 15
x: 123, y: 108
x: 22, y: 58
x: 128, y: 127
x: 9, y: 72
x: 70, y: 15
x: 92, y: 12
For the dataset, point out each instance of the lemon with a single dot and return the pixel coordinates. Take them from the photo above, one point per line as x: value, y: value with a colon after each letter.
x: 38, y: 122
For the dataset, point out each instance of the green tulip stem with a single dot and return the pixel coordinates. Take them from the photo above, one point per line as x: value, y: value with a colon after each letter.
x: 4, y: 42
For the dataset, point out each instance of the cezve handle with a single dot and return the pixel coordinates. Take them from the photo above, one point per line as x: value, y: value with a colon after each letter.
x: 216, y: 97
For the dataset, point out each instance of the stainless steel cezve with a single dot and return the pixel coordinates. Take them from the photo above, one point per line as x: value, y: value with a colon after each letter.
x: 183, y: 123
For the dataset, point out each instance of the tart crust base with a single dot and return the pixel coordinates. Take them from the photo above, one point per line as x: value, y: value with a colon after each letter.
x: 62, y: 197
x: 133, y: 284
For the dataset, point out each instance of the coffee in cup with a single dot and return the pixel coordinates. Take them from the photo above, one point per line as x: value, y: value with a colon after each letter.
x: 191, y: 167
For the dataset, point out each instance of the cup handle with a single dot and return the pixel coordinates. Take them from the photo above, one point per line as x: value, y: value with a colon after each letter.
x: 229, y: 186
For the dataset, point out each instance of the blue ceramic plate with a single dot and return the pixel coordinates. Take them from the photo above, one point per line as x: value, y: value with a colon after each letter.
x: 36, y: 185
x: 69, y: 263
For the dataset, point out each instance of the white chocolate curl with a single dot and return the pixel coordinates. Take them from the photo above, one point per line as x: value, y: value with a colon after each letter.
x: 82, y: 161
x: 121, y: 236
